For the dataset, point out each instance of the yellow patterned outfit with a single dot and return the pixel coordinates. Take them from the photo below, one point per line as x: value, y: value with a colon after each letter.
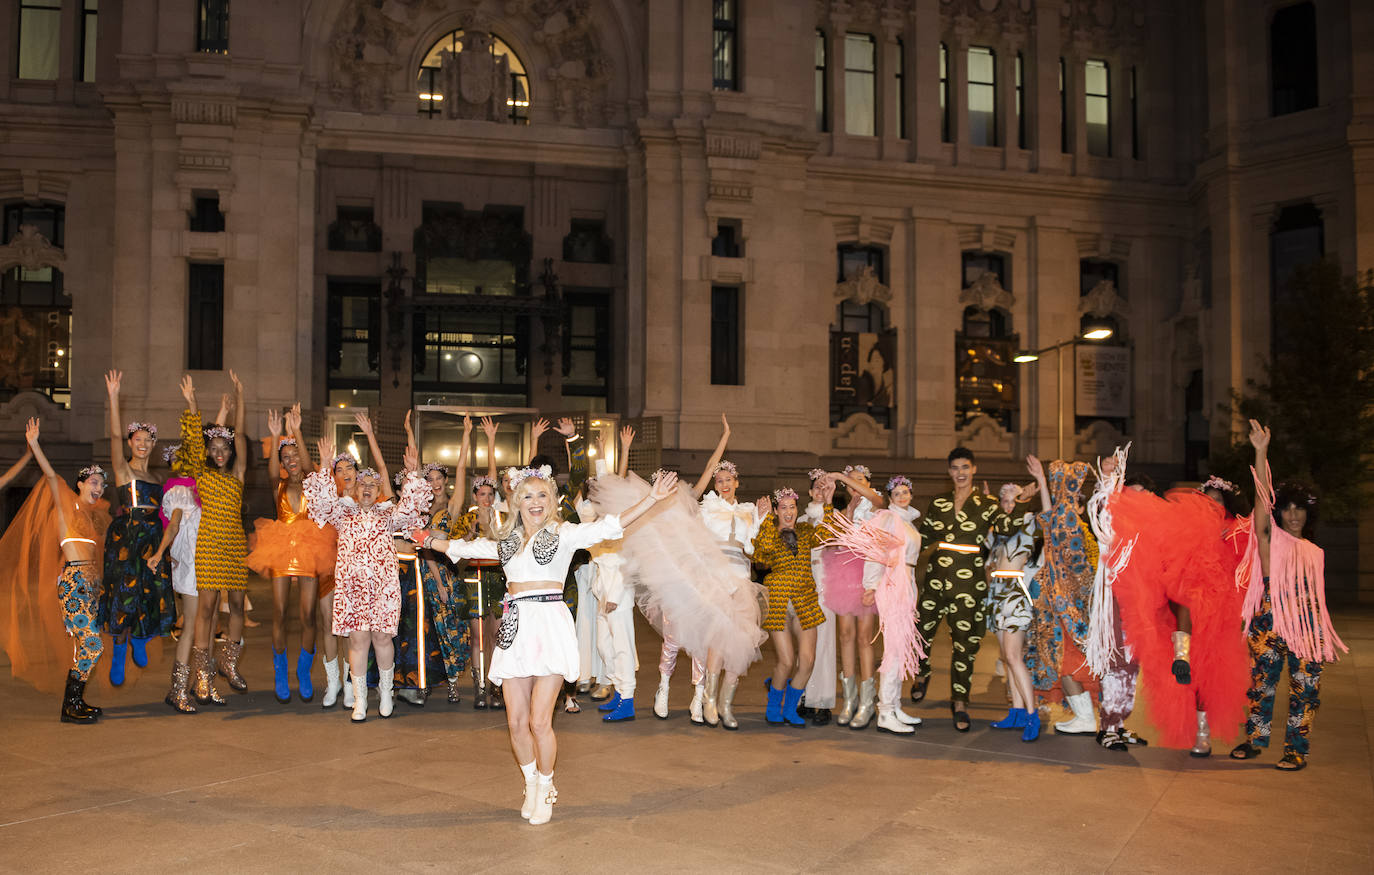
x: 789, y: 572
x: 220, y: 545
x: 487, y: 573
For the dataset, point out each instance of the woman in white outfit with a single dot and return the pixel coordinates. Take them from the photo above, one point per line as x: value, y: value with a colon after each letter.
x: 537, y: 644
x: 181, y: 523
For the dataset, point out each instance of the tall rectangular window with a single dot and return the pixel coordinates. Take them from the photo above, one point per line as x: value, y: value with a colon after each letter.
x: 1063, y: 110
x: 85, y: 56
x: 1135, y: 117
x: 944, y: 94
x: 725, y: 336
x: 822, y: 92
x: 40, y: 23
x: 725, y: 47
x: 1293, y: 59
x: 205, y: 317
x: 1097, y: 109
x: 982, y: 96
x: 212, y: 29
x: 899, y: 89
x: 1020, y: 101
x: 860, y: 84
x: 353, y: 343
x: 37, y: 311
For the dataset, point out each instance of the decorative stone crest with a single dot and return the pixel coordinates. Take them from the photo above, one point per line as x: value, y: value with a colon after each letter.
x: 986, y: 293
x: 31, y: 251
x: 863, y: 287
x: 1103, y: 301
x: 1095, y: 24
x: 474, y: 79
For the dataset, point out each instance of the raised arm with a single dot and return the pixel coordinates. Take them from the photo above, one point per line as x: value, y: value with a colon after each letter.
x: 1037, y: 470
x: 489, y: 429
x: 663, y: 488
x: 321, y: 496
x: 118, y: 464
x: 627, y: 437
x: 54, y: 482
x: 460, y: 472
x: 240, y: 441
x: 16, y: 468
x: 710, y: 471
x: 1264, y: 488
x: 577, y: 455
x: 192, y: 437
x: 868, y: 492
x: 274, y: 454
x: 365, y: 425
x: 293, y: 428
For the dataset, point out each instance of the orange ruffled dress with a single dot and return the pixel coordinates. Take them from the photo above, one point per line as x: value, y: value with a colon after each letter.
x: 292, y: 545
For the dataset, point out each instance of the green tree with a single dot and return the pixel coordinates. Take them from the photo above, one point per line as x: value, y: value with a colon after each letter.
x: 1318, y: 391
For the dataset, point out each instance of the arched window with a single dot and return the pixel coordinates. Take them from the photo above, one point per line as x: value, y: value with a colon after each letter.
x: 430, y: 81
x: 1293, y: 59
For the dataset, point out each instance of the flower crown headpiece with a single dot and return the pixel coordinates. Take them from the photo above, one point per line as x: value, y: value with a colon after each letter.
x: 518, y: 476
x: 816, y: 474
x: 899, y: 480
x: 219, y: 431
x: 727, y: 467
x: 285, y: 442
x: 859, y: 469
x: 784, y: 492
x: 484, y: 480
x: 433, y: 466
x: 1008, y: 489
x: 369, y: 474
x: 342, y: 457
x: 134, y: 427
x: 89, y: 471
x: 171, y: 453
x: 1217, y: 483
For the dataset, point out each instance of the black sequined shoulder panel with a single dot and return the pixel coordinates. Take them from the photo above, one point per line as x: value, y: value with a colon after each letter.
x: 507, y: 548
x: 545, y: 546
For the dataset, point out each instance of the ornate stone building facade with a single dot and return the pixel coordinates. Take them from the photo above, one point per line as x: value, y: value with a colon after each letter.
x: 836, y: 221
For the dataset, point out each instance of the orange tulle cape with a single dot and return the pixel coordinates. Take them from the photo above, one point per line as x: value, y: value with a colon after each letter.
x: 299, y: 548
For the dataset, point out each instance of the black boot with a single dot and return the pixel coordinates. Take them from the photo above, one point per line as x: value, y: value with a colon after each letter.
x: 72, y: 709
x: 81, y: 697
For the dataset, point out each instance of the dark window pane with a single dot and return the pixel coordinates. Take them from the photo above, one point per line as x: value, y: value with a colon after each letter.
x: 822, y: 91
x: 212, y: 32
x: 725, y: 335
x: 1293, y: 59
x: 725, y: 58
x: 205, y: 317
x: 206, y: 216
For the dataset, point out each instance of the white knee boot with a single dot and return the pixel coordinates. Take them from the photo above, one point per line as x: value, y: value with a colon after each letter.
x: 359, y: 687
x: 1084, y: 720
x: 385, y: 678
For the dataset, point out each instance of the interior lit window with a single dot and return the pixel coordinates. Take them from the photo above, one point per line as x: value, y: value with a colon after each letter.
x: 429, y: 83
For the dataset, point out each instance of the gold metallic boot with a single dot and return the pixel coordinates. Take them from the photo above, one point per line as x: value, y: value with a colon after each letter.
x: 204, y: 690
x: 177, y: 696
x: 229, y: 666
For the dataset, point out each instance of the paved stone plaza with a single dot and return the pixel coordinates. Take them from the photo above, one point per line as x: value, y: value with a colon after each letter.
x: 258, y: 787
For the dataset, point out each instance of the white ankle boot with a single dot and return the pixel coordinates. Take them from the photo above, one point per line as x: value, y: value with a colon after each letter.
x: 385, y: 678
x: 661, y: 697
x: 545, y: 795
x: 347, y: 687
x: 698, y: 703
x: 332, y: 684
x: 359, y: 687
x: 1084, y: 720
x: 888, y: 722
x: 531, y: 793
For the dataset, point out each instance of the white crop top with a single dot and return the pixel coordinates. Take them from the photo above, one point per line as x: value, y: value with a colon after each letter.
x: 548, y: 554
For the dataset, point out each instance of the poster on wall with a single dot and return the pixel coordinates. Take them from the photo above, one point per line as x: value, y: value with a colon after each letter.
x: 863, y: 376
x: 1102, y: 381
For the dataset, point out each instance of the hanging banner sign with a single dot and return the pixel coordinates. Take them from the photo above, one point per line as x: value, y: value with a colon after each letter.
x: 1102, y: 381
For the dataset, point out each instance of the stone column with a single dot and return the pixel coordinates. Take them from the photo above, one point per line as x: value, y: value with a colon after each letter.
x: 958, y: 97
x: 923, y: 96
x: 839, y: 22
x: 1042, y: 89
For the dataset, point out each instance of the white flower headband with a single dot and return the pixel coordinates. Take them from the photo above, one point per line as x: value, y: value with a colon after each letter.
x: 859, y: 469
x: 89, y: 471
x: 219, y: 431
x: 433, y: 466
x: 1008, y: 490
x: 518, y: 476
x: 784, y: 492
x: 369, y: 474
x: 816, y: 474
x: 899, y: 480
x: 134, y: 427
x: 727, y: 467
x: 484, y: 480
x: 1217, y: 483
x: 285, y: 442
x: 171, y: 453
x: 342, y: 457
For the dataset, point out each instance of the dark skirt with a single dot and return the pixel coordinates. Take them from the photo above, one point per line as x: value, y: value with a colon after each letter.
x: 135, y: 599
x: 443, y: 650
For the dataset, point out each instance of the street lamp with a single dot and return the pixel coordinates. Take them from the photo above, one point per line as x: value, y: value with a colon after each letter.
x: 1096, y: 333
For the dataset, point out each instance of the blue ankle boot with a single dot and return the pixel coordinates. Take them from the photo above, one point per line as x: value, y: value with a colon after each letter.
x: 610, y: 704
x: 791, y: 696
x: 624, y: 709
x: 304, y: 663
x: 118, y: 654
x: 1015, y: 719
x: 138, y: 647
x: 773, y: 713
x: 1032, y: 726
x: 282, y: 688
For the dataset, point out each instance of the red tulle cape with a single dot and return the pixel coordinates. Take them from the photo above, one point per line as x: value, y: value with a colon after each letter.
x: 1180, y: 555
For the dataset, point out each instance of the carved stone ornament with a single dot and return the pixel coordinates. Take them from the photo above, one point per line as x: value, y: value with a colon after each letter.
x: 1096, y: 24
x: 863, y: 286
x: 983, y: 434
x: 1103, y: 301
x: 859, y: 431
x: 987, y: 293
x: 474, y: 79
x: 31, y: 251
x: 994, y: 19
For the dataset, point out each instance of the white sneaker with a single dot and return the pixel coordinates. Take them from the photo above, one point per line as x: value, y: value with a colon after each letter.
x: 531, y: 794
x: 661, y: 697
x: 359, y: 686
x: 545, y: 795
x: 698, y: 703
x: 332, y: 684
x: 888, y: 722
x: 385, y: 679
